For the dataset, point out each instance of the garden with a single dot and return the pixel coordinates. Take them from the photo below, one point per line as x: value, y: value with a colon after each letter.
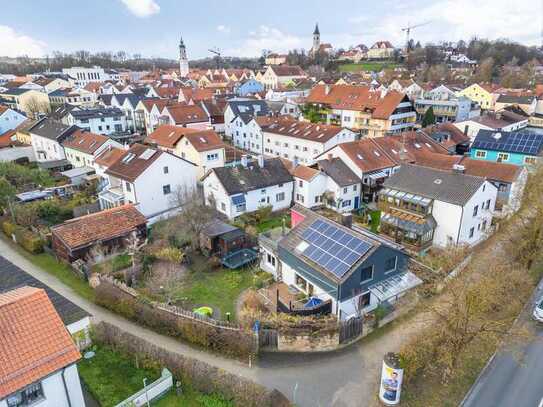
x: 374, y: 66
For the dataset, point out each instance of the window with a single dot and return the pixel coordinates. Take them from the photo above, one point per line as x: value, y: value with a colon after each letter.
x: 240, y: 208
x: 280, y: 197
x: 166, y: 189
x: 270, y: 259
x: 165, y: 169
x: 390, y: 264
x: 475, y: 210
x: 262, y: 191
x: 26, y: 397
x: 487, y: 204
x: 480, y: 154
x: 300, y: 183
x: 213, y: 157
x: 100, y: 128
x: 318, y: 199
x: 471, y: 232
x: 529, y: 160
x: 355, y: 188
x: 364, y: 300
x: 346, y: 203
x: 223, y: 206
x: 300, y: 198
x: 301, y: 282
x: 366, y: 274
x: 503, y: 157
x: 345, y: 190
x: 128, y: 187
x: 285, y: 144
x: 484, y: 225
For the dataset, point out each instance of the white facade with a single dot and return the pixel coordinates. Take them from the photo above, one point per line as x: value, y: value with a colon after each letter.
x: 471, y: 127
x: 82, y: 76
x: 105, y: 125
x: 60, y: 389
x: 81, y: 159
x: 247, y: 136
x: 309, y: 193
x: 10, y: 119
x: 277, y: 196
x: 46, y: 149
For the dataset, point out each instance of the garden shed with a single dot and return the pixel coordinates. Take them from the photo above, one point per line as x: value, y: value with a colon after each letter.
x: 221, y: 239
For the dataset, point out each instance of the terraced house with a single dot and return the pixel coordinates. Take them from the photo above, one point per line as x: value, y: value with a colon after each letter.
x: 361, y: 108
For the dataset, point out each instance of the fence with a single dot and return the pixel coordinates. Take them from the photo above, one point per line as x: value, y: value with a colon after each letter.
x: 350, y: 329
x: 150, y: 392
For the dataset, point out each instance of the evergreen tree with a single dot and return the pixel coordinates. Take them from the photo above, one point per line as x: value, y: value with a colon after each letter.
x: 429, y: 118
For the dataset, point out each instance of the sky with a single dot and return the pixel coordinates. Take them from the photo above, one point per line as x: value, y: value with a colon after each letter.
x: 244, y: 28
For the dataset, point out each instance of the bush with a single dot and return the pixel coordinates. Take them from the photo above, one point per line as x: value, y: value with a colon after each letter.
x: 30, y: 241
x: 8, y: 228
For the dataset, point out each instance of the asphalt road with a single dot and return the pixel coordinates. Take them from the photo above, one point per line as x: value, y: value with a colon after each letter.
x: 514, y: 376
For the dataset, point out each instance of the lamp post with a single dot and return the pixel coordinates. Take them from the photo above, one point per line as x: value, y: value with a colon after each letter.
x: 145, y: 388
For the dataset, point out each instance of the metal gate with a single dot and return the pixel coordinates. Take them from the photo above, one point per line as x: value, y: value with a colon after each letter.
x: 267, y: 339
x: 350, y: 329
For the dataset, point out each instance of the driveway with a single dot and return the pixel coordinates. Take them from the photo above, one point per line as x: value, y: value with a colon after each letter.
x: 346, y: 378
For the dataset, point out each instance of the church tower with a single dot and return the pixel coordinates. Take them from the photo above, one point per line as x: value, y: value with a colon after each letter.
x: 183, y: 61
x: 316, y: 39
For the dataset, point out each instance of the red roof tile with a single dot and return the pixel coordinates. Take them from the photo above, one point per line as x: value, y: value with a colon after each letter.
x: 85, y: 142
x: 109, y: 156
x: 186, y: 114
x: 131, y: 164
x: 204, y: 140
x: 33, y: 340
x: 168, y: 135
x: 287, y: 126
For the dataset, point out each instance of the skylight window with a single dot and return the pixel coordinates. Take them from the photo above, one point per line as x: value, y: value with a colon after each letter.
x: 394, y: 151
x: 359, y: 157
x: 417, y: 145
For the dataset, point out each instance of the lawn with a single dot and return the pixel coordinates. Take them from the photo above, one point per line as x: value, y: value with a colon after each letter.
x: 60, y: 270
x: 274, y: 221
x: 116, y: 263
x: 367, y: 66
x: 192, y: 398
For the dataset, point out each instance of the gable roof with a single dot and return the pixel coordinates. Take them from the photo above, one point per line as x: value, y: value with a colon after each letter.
x: 35, y: 342
x: 204, y: 140
x: 168, y: 135
x: 249, y: 107
x: 240, y: 179
x: 52, y: 129
x: 104, y: 225
x: 430, y: 183
x: 288, y: 126
x: 300, y: 171
x: 186, y: 114
x: 131, y: 164
x: 521, y: 100
x: 336, y: 169
x: 96, y: 112
x: 366, y: 155
x: 109, y: 156
x: 288, y: 70
x: 84, y: 141
x: 519, y: 141
x: 446, y: 134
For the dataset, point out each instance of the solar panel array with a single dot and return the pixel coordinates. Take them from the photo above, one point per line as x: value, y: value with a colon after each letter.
x: 514, y: 142
x: 332, y: 248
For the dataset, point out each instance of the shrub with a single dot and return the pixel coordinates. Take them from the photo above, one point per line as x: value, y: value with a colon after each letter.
x: 8, y: 228
x: 31, y: 242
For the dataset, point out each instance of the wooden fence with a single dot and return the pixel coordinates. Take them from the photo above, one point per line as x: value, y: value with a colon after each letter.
x: 350, y: 329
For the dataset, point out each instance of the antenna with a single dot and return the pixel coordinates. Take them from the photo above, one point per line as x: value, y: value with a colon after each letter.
x: 217, y: 53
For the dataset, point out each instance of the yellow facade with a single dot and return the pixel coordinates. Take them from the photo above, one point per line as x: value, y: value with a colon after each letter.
x: 479, y: 95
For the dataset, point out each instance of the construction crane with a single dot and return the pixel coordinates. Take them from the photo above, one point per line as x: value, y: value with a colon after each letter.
x: 217, y: 53
x: 408, y: 32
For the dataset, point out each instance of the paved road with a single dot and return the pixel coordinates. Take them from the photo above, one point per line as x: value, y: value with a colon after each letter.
x: 347, y: 378
x: 513, y: 377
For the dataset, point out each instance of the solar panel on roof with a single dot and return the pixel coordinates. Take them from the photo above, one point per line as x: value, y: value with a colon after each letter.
x: 332, y: 248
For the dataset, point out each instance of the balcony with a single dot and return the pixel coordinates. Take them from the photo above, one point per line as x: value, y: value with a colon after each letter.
x: 111, y: 197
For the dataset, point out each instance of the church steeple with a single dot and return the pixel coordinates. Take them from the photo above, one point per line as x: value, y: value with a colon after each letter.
x: 183, y: 60
x: 316, y: 32
x: 316, y: 40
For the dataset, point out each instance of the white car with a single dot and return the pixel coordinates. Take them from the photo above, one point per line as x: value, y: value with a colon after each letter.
x: 538, y: 310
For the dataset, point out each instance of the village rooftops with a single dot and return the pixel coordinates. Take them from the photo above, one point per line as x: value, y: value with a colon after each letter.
x: 100, y: 226
x: 52, y: 129
x: 519, y: 141
x: 446, y: 186
x: 109, y: 156
x: 516, y: 99
x: 186, y: 114
x: 35, y: 342
x: 240, y: 179
x: 204, y: 140
x: 134, y: 162
x: 169, y: 135
x: 288, y: 70
x: 95, y: 113
x: 85, y: 142
x: 287, y: 126
x: 300, y: 171
x: 250, y: 107
x: 336, y: 169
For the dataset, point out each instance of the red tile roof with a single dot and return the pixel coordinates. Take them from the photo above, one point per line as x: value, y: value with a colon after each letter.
x: 366, y: 155
x: 99, y: 226
x: 131, y: 164
x: 168, y: 135
x: 167, y: 92
x: 109, y: 156
x: 85, y: 142
x: 197, y: 94
x: 204, y: 140
x: 93, y: 87
x: 187, y: 114
x: 288, y: 70
x: 160, y: 103
x: 287, y: 126
x: 300, y: 171
x: 33, y: 340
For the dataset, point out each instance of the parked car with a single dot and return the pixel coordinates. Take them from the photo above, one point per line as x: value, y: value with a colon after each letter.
x: 538, y: 310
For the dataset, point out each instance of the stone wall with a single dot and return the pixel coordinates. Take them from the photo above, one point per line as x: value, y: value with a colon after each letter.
x: 308, y: 342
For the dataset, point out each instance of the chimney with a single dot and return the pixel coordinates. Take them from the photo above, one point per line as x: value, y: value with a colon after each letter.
x: 459, y: 169
x: 326, y: 89
x: 261, y: 161
x: 466, y: 129
x: 347, y: 219
x: 244, y: 160
x: 295, y: 162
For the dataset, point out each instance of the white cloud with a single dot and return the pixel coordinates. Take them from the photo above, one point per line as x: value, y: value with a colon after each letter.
x: 457, y: 19
x: 14, y: 44
x: 224, y: 29
x: 268, y: 38
x: 142, y: 8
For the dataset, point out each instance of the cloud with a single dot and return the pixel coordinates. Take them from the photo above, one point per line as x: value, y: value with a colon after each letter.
x: 14, y: 44
x: 142, y: 8
x: 268, y: 38
x: 452, y: 20
x: 224, y: 29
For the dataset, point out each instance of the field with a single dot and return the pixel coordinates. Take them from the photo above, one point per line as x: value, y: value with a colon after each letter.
x: 368, y: 66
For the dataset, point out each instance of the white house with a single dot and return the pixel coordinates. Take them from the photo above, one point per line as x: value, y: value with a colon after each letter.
x: 498, y: 121
x: 447, y: 208
x: 82, y: 76
x: 47, y: 136
x: 249, y: 186
x: 247, y: 109
x: 153, y: 180
x: 40, y: 356
x: 343, y: 186
x: 300, y: 141
x: 281, y: 75
x: 201, y: 147
x: 128, y: 103
x: 82, y: 147
x: 183, y: 115
x: 10, y: 119
x: 99, y: 120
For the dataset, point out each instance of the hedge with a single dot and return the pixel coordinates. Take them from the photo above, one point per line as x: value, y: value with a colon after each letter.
x: 30, y: 241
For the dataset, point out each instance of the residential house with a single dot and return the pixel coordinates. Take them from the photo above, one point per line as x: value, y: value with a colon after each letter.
x: 201, y: 147
x: 349, y: 267
x: 310, y: 184
x: 185, y: 116
x: 82, y: 76
x: 381, y: 50
x: 111, y: 228
x: 39, y: 356
x: 10, y: 119
x: 127, y: 103
x: 361, y: 108
x: 153, y: 180
x: 247, y: 187
x: 149, y: 111
x: 215, y: 110
x: 449, y: 136
x: 521, y: 147
x: 275, y: 59
x: 503, y: 120
x: 422, y: 206
x: 245, y: 109
x: 299, y: 141
x: 408, y: 86
x: 32, y: 102
x: 527, y: 103
x: 446, y: 105
x: 47, y: 136
x: 343, y: 186
x: 284, y: 108
x: 82, y: 147
x: 249, y: 87
x: 75, y: 319
x: 483, y: 95
x: 281, y: 75
x: 100, y: 120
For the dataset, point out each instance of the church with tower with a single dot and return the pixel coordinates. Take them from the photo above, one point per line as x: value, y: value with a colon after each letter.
x: 183, y: 60
x: 317, y: 46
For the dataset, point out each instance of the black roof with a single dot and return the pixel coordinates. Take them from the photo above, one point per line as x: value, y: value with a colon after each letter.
x: 12, y: 277
x: 96, y: 113
x: 251, y: 107
x: 240, y: 179
x: 522, y: 100
x: 336, y: 169
x: 520, y: 141
x: 132, y: 98
x: 106, y: 99
x: 52, y: 129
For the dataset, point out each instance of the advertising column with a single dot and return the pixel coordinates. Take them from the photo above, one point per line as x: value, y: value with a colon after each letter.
x: 391, y: 380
